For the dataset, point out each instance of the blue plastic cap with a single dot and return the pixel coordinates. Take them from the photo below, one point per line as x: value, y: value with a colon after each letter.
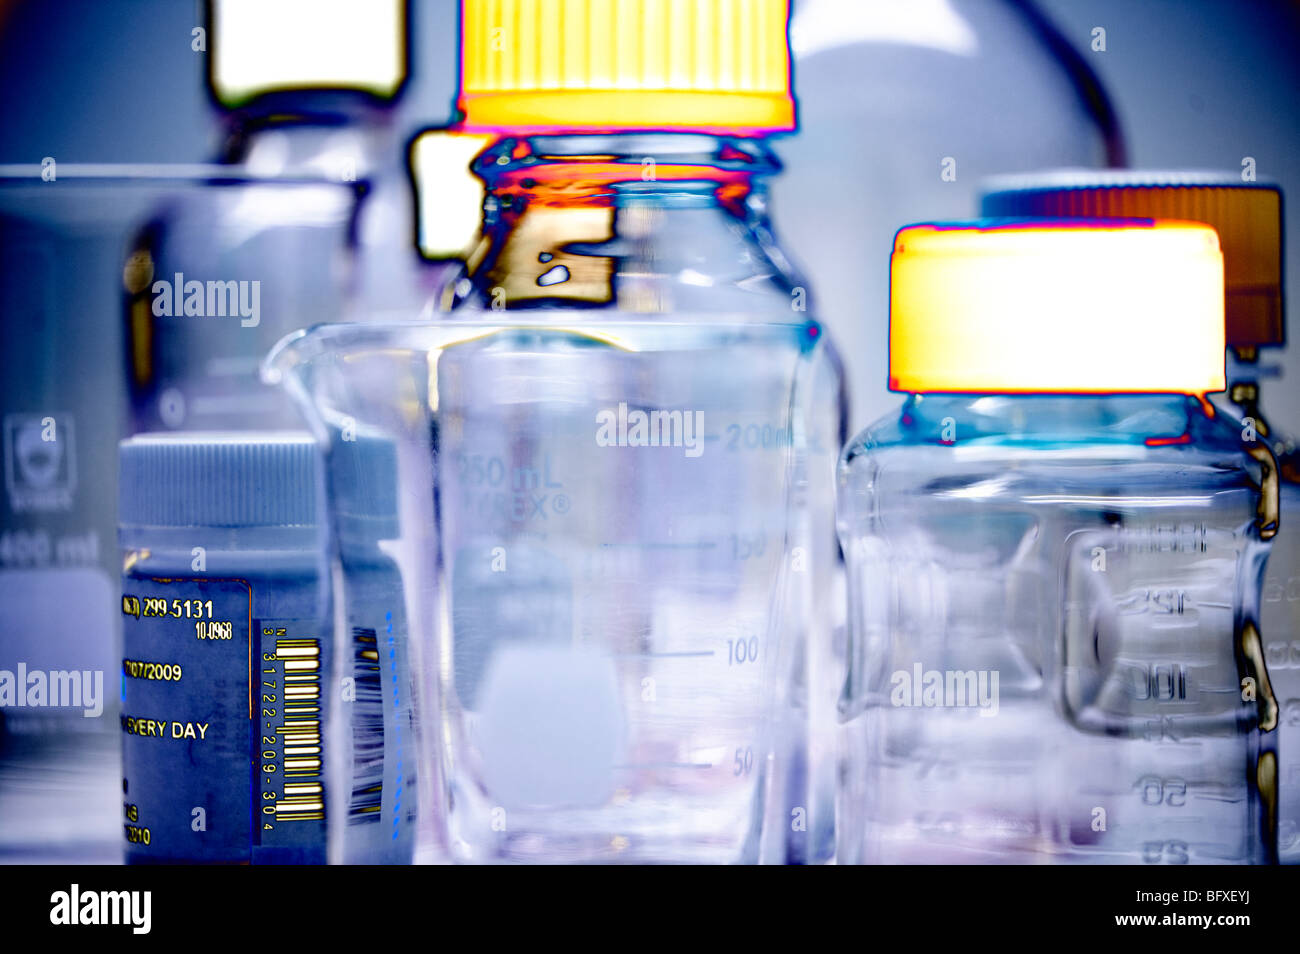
x: 218, y: 480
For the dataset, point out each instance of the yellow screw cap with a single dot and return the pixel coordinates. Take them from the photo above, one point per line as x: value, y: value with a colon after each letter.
x: 615, y: 65
x: 1057, y: 307
x: 1247, y: 216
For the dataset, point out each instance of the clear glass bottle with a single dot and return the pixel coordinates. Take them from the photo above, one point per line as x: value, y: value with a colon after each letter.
x: 628, y: 422
x: 571, y: 222
x: 1248, y: 219
x: 1055, y: 559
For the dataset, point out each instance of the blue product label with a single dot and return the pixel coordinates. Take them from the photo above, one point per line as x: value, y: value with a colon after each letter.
x: 221, y: 722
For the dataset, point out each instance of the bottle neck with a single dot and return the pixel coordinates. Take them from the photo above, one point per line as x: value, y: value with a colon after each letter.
x: 312, y: 134
x: 649, y: 223
x: 1120, y: 418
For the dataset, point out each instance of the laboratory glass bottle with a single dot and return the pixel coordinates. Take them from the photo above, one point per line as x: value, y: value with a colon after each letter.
x: 1055, y: 553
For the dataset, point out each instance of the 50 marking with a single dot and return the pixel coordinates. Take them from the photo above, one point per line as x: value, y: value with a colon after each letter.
x: 744, y: 761
x: 1162, y: 791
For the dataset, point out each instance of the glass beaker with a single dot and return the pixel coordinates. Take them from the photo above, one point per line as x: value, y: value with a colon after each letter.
x: 605, y: 547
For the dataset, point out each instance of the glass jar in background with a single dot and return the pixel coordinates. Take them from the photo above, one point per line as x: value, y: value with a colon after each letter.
x: 315, y: 223
x: 218, y: 276
x: 1055, y: 554
x: 903, y: 109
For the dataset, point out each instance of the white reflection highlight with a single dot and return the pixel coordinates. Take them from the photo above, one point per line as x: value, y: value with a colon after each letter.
x: 821, y: 25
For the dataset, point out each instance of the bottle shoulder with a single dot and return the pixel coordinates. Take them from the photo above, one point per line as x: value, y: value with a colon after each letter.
x: 1142, y: 435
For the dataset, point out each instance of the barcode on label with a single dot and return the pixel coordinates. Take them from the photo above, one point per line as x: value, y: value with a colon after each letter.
x: 303, y: 798
x: 367, y: 730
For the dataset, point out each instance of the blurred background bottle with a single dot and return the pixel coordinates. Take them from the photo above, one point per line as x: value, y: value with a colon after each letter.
x: 307, y: 93
x: 903, y: 108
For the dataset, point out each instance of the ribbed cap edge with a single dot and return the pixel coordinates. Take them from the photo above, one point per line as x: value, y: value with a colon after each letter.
x: 218, y: 480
